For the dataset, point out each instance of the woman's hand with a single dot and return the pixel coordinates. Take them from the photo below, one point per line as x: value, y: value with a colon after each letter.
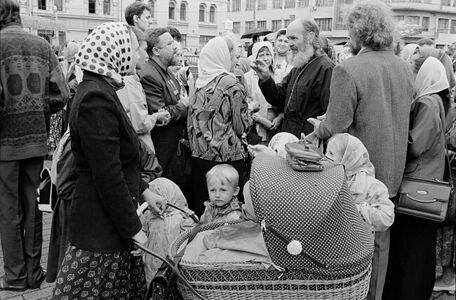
x: 261, y: 69
x: 156, y: 202
x: 163, y: 117
x: 277, y: 121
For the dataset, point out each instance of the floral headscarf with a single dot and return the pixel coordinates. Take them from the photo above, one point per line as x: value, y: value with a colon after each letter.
x: 107, y: 51
x: 350, y: 151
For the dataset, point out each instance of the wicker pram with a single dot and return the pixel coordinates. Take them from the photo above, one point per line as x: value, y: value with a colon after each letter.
x: 250, y: 281
x: 313, y: 208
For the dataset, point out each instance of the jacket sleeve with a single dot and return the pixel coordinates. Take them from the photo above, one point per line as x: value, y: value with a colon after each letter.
x: 342, y: 104
x: 58, y: 88
x: 156, y: 100
x: 239, y: 110
x: 99, y: 128
x: 150, y: 168
x: 378, y: 209
x: 274, y: 93
x: 425, y: 128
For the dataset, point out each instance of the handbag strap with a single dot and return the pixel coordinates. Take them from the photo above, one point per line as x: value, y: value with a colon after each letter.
x: 442, y: 119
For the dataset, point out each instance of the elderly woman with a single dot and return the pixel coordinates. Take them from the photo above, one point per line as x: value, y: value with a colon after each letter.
x: 370, y: 99
x: 218, y: 117
x: 413, y: 240
x: 104, y: 223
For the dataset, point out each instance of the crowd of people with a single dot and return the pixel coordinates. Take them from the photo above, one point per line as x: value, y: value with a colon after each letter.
x: 135, y: 127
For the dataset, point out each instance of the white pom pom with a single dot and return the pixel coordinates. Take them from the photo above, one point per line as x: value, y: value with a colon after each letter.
x: 294, y: 247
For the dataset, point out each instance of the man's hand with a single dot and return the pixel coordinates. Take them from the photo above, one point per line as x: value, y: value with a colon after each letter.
x: 157, y: 203
x: 165, y: 117
x: 185, y: 100
x: 261, y: 69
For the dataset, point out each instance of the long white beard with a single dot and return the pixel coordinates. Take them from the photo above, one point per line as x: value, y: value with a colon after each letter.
x: 301, y: 58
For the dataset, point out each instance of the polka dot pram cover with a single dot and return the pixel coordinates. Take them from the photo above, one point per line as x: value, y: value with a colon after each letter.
x: 314, y: 208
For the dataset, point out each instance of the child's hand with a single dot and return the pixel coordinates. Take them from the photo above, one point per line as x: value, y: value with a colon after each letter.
x: 156, y: 202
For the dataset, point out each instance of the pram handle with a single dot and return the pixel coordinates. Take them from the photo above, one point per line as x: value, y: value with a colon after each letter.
x: 173, y: 268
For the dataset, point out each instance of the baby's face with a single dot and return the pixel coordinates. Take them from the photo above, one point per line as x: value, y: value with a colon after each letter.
x: 221, y: 193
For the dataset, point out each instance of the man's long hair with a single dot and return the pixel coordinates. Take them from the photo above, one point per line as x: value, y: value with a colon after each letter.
x: 9, y: 13
x: 371, y: 23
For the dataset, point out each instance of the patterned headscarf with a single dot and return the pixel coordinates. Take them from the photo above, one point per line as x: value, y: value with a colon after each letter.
x: 107, y: 51
x: 350, y: 151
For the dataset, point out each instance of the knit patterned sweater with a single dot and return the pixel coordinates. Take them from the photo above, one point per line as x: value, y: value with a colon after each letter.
x: 32, y: 86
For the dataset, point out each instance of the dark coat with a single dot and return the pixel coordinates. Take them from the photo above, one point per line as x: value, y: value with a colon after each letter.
x: 106, y: 152
x: 302, y: 94
x: 163, y: 91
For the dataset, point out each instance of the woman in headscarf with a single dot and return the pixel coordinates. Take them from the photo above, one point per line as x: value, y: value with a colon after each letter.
x: 411, y: 265
x: 370, y: 194
x: 103, y: 224
x: 266, y: 118
x: 218, y: 117
x: 408, y: 51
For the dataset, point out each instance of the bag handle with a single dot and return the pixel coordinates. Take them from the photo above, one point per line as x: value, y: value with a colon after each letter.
x: 442, y: 119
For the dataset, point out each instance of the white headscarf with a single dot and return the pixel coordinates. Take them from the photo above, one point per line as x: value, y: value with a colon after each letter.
x: 215, y: 59
x: 257, y: 47
x: 431, y: 78
x: 107, y: 51
x: 408, y: 51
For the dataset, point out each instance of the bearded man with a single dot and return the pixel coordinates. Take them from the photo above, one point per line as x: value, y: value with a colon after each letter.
x: 304, y: 92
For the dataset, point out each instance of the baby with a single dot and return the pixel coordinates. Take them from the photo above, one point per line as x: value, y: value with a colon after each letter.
x: 222, y: 185
x: 370, y: 194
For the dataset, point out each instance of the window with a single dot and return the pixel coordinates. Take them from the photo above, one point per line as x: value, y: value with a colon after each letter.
x: 58, y: 4
x: 324, y: 3
x: 446, y: 2
x: 42, y: 4
x: 202, y: 12
x: 413, y: 20
x: 276, y: 25
x: 261, y: 24
x: 228, y: 5
x: 287, y: 22
x: 249, y: 25
x: 262, y: 4
x: 425, y: 23
x: 453, y: 26
x: 152, y: 7
x: 212, y: 14
x: 171, y: 10
x: 290, y: 3
x: 203, y: 40
x: 183, y: 11
x: 443, y: 25
x: 399, y: 18
x: 236, y: 5
x: 277, y: 4
x: 92, y: 6
x: 184, y: 40
x: 249, y: 4
x: 324, y: 24
x: 303, y: 3
x: 106, y: 7
x: 237, y: 27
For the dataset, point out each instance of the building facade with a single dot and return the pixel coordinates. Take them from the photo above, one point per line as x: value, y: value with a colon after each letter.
x: 62, y: 20
x: 436, y: 17
x: 197, y: 20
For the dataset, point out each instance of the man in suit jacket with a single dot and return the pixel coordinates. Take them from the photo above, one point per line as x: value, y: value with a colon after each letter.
x: 163, y: 92
x: 370, y: 98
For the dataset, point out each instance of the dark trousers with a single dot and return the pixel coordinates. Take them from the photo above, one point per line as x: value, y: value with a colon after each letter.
x: 199, y: 169
x: 21, y: 227
x: 411, y: 266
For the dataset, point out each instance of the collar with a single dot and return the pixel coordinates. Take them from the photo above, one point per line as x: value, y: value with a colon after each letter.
x: 367, y: 49
x: 12, y: 26
x: 159, y: 63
